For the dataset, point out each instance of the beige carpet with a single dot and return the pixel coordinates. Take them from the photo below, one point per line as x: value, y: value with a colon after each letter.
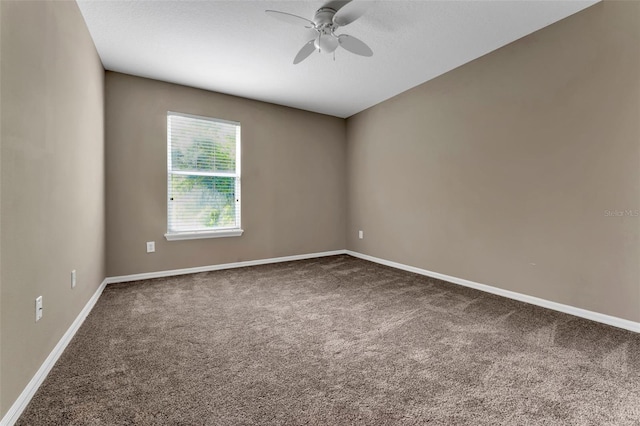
x: 334, y: 341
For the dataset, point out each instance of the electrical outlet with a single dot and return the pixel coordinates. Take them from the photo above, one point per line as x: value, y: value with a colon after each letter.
x: 73, y: 279
x: 151, y: 246
x: 38, y: 308
x: 360, y: 234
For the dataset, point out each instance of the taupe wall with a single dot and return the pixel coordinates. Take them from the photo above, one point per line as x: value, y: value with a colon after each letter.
x: 52, y: 182
x: 293, y: 165
x: 499, y: 172
x: 511, y: 161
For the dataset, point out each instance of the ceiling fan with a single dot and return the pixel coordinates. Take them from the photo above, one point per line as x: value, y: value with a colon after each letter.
x: 325, y: 22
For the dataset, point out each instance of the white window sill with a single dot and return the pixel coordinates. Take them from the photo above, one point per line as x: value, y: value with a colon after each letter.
x: 196, y: 235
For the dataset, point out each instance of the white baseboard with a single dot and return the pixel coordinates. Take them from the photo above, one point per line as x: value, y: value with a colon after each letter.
x: 23, y: 400
x: 21, y: 403
x: 173, y: 272
x: 567, y: 309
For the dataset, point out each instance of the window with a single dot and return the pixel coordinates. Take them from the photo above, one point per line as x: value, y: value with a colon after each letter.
x: 203, y: 177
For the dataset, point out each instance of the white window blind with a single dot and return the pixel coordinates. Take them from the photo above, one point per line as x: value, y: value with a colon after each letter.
x: 203, y: 175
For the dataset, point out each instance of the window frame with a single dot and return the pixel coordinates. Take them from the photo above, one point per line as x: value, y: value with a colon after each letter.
x: 221, y: 232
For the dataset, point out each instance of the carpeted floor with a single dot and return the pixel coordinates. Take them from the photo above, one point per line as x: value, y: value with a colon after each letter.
x: 334, y: 341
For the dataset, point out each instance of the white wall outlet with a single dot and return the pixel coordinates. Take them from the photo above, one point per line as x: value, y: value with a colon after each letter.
x: 38, y: 308
x: 151, y: 246
x: 73, y: 279
x: 360, y: 234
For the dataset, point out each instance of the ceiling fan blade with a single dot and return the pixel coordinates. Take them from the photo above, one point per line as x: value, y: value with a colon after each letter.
x: 350, y: 12
x: 304, y: 53
x: 354, y: 45
x: 290, y: 18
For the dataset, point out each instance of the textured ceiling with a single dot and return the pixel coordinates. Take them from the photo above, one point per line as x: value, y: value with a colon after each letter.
x: 233, y: 47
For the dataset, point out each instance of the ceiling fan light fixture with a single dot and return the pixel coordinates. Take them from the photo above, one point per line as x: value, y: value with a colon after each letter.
x: 326, y: 43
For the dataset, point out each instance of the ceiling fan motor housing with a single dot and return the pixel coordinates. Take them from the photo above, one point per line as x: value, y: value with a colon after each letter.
x: 324, y: 17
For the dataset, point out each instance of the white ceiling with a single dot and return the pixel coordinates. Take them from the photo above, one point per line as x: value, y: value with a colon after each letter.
x: 233, y: 47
